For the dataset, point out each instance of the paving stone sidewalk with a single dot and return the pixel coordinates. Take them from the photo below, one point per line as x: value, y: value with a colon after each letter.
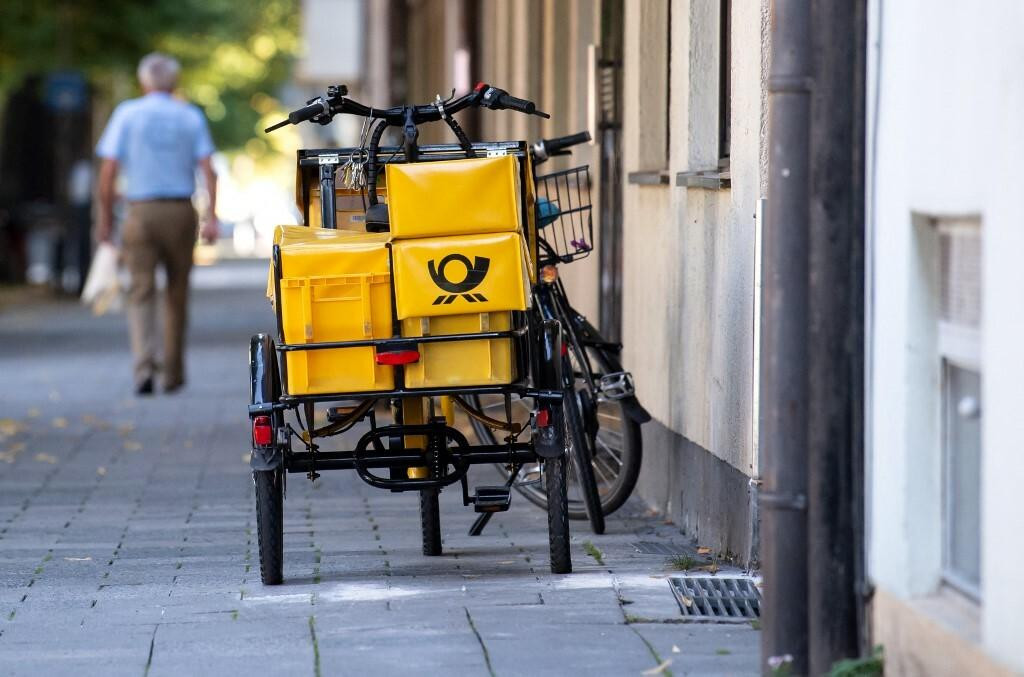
x: 128, y: 546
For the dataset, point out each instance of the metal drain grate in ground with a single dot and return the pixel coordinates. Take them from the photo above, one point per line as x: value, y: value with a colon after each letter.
x: 667, y: 549
x: 716, y: 598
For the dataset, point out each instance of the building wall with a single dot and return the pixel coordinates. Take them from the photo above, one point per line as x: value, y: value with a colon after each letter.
x: 945, y: 140
x: 688, y: 252
x: 689, y: 263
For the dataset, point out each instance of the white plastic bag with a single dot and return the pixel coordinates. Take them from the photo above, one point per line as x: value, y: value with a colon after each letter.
x: 102, y: 288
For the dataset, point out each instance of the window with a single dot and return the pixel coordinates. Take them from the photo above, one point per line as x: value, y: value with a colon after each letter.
x: 653, y: 36
x: 959, y: 348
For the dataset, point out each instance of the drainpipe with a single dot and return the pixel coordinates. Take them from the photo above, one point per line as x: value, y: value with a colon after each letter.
x: 835, y: 414
x: 783, y: 400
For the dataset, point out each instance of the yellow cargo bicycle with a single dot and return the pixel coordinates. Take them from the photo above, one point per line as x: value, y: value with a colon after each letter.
x: 405, y: 296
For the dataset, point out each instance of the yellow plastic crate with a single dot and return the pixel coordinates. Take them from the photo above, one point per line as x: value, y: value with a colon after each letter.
x: 335, y: 286
x: 460, y: 363
x: 460, y: 274
x: 454, y: 197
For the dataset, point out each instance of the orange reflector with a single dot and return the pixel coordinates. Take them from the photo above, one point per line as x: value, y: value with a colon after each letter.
x: 398, y: 357
x: 262, y: 432
x: 548, y: 274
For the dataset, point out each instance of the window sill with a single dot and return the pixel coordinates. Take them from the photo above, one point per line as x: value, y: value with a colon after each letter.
x: 649, y: 178
x: 706, y: 179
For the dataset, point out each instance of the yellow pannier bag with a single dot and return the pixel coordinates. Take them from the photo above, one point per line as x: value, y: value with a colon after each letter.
x: 335, y: 286
x: 458, y: 275
x: 460, y: 363
x: 453, y: 197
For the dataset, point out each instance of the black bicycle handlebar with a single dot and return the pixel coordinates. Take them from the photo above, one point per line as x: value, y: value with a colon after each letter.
x: 317, y: 107
x: 560, y: 143
x: 322, y: 109
x: 545, y: 148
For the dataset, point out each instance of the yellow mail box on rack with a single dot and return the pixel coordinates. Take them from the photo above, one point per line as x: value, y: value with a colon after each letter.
x: 454, y: 197
x: 460, y: 363
x: 335, y: 286
x: 457, y: 275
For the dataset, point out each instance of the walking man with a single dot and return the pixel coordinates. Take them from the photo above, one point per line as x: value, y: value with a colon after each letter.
x: 156, y: 143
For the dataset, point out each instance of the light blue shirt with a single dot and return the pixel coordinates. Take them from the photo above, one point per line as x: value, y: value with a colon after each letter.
x: 157, y: 141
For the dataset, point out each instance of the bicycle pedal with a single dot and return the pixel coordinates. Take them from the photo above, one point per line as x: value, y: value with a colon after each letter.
x: 617, y: 385
x: 492, y: 499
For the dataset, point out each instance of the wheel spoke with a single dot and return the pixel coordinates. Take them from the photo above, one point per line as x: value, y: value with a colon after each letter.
x: 609, y: 451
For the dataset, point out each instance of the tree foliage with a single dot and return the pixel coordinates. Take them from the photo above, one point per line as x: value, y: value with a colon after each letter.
x: 233, y: 54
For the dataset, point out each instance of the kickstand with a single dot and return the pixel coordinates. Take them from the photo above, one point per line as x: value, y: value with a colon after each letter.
x: 480, y: 522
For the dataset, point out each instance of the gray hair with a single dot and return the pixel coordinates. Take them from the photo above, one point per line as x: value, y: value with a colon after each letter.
x: 159, y: 72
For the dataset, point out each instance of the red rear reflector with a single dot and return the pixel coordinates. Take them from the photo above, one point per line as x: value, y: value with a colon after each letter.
x: 543, y: 418
x: 565, y: 349
x: 398, y: 357
x: 262, y: 433
x: 479, y: 86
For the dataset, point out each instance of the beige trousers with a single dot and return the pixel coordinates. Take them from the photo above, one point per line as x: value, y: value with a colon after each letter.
x: 159, y: 232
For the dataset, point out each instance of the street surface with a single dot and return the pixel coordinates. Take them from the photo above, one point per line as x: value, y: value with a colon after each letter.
x: 128, y: 537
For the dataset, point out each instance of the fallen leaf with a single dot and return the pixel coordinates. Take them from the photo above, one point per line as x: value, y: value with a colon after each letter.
x: 658, y: 669
x: 703, y: 550
x: 101, y: 471
x: 125, y: 428
x: 60, y: 422
x: 131, y: 445
x: 88, y: 419
x: 688, y: 601
x: 188, y: 444
x: 9, y: 427
x: 34, y: 413
x: 46, y: 458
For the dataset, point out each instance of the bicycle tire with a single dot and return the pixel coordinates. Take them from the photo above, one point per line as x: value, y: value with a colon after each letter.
x: 583, y: 467
x: 430, y: 522
x: 270, y: 524
x: 558, y: 514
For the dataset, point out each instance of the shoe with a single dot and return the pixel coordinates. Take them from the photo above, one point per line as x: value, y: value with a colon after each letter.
x: 145, y: 388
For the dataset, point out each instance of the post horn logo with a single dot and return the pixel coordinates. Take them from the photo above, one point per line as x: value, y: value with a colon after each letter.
x: 475, y: 274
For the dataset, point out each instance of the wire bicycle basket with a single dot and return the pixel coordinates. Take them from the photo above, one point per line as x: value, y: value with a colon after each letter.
x: 565, y: 223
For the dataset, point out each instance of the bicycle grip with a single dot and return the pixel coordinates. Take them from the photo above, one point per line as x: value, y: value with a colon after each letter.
x: 517, y: 104
x: 560, y: 143
x: 307, y: 112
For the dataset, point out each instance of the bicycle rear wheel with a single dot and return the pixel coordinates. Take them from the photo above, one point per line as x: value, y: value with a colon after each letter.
x: 617, y: 444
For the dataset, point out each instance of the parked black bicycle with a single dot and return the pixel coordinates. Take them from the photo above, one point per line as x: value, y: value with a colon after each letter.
x: 601, y: 408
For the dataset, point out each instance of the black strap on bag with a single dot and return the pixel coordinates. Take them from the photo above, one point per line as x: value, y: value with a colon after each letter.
x: 464, y: 141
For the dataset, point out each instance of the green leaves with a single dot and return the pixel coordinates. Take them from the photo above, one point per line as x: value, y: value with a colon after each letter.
x: 232, y: 53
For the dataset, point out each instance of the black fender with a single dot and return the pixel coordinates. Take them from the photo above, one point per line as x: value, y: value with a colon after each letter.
x: 265, y: 388
x: 549, y: 441
x: 608, y: 354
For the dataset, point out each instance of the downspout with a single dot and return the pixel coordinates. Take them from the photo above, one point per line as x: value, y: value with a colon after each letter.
x: 783, y: 441
x: 835, y: 414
